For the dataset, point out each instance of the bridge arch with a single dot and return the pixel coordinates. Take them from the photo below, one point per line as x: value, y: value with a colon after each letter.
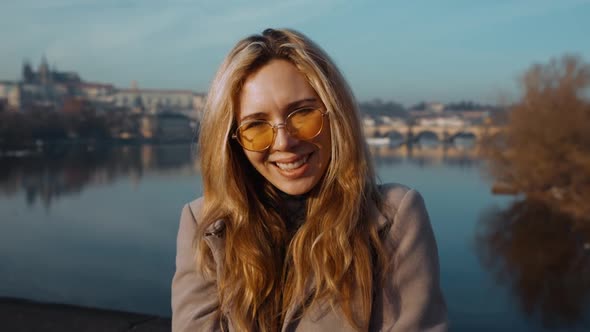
x: 466, y: 134
x: 417, y: 136
x: 394, y: 135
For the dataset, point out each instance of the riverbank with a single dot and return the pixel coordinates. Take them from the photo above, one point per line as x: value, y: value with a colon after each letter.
x: 19, y: 315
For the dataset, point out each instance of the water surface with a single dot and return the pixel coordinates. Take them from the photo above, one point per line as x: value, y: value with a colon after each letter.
x: 97, y: 227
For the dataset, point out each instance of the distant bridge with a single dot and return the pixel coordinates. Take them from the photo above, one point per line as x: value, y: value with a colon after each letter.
x: 442, y: 133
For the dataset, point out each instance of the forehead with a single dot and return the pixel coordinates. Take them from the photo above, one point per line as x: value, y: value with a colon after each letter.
x: 272, y: 88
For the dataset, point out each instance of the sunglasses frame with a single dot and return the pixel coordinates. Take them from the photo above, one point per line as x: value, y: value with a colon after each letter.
x: 275, y: 127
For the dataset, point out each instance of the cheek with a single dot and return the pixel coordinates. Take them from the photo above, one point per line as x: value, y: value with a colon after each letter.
x: 256, y: 159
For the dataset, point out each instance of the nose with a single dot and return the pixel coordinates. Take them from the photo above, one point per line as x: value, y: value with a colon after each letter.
x: 283, y: 139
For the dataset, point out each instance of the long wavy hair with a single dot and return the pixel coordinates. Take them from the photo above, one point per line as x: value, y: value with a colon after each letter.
x: 336, y: 253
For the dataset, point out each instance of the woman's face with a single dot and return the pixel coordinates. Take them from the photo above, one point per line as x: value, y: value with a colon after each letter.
x: 274, y: 91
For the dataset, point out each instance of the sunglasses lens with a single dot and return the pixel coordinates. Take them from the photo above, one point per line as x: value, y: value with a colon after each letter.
x: 305, y: 124
x: 255, y: 135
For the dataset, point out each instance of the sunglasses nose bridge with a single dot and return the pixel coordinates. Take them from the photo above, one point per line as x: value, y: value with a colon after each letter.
x: 278, y: 126
x: 283, y: 139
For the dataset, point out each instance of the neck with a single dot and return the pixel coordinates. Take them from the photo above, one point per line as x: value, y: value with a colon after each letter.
x: 293, y: 209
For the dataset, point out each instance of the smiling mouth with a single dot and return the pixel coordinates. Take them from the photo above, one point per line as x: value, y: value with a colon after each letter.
x: 292, y: 165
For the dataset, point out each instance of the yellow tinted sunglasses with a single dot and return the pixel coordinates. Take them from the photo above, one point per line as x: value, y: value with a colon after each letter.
x: 259, y: 135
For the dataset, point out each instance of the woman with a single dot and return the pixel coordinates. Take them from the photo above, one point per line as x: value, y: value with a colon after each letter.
x: 293, y: 233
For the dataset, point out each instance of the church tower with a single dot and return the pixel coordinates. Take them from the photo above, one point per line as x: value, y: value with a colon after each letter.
x: 44, y: 73
x: 27, y: 73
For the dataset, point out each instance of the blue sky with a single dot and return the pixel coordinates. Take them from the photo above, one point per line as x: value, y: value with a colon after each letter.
x: 405, y: 51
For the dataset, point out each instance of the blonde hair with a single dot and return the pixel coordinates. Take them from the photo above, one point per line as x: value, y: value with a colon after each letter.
x: 337, y: 249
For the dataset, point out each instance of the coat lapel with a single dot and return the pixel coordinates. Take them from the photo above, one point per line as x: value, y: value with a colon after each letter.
x: 296, y: 308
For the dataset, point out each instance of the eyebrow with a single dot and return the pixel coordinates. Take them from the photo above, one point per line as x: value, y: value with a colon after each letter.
x: 290, y: 106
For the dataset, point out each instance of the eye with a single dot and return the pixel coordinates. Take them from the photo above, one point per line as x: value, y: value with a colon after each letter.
x: 303, y: 111
x: 302, y: 115
x: 253, y: 125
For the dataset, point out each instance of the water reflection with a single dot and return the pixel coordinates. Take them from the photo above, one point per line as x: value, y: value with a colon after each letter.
x: 425, y: 154
x: 542, y: 258
x: 68, y: 170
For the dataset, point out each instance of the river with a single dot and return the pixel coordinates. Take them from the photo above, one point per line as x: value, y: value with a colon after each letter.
x: 96, y: 226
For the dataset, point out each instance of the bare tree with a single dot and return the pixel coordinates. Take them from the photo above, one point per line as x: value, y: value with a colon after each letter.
x: 545, y: 150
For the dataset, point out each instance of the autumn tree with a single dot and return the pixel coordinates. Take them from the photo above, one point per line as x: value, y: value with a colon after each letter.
x: 544, y: 151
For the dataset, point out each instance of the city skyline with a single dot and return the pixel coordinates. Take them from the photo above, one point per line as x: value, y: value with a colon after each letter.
x: 398, y: 51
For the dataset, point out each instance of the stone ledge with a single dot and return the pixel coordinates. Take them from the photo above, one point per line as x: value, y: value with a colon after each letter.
x: 19, y: 315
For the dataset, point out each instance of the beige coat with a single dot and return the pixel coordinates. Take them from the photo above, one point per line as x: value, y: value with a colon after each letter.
x: 410, y: 301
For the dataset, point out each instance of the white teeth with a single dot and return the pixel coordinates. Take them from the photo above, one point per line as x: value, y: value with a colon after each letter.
x: 293, y: 165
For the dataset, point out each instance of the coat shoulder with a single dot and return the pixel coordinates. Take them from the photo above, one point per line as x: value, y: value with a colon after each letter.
x: 403, y: 209
x: 216, y: 228
x: 195, y: 206
x: 393, y: 193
